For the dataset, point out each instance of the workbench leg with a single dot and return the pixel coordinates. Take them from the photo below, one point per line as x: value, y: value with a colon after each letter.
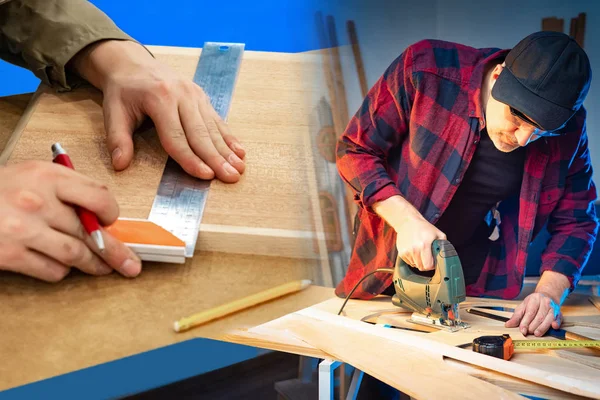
x: 326, y: 379
x: 342, y: 382
x: 355, y: 384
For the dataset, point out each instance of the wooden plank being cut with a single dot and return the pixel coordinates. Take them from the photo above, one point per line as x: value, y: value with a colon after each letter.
x: 273, y: 210
x: 275, y: 335
x: 513, y: 384
x: 575, y: 374
x: 415, y: 372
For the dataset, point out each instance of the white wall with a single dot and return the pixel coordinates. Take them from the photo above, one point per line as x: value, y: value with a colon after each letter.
x: 385, y: 28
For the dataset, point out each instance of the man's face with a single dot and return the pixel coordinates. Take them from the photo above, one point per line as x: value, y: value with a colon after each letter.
x: 507, y: 131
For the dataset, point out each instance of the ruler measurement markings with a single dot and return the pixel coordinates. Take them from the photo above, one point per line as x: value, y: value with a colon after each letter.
x: 180, y: 201
x: 549, y: 344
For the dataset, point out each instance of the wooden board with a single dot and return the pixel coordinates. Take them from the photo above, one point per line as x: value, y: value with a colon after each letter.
x: 515, y: 385
x: 11, y: 111
x: 555, y: 374
x: 420, y: 374
x: 273, y: 210
x: 108, y: 318
x: 258, y: 229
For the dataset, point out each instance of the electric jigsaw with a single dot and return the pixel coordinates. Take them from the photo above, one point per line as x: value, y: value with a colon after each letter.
x: 434, y: 300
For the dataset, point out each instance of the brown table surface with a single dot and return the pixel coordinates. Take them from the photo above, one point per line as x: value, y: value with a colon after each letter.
x: 52, y: 329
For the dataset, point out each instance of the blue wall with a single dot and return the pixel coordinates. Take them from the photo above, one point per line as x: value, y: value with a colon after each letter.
x: 284, y: 26
x: 281, y: 26
x: 539, y: 244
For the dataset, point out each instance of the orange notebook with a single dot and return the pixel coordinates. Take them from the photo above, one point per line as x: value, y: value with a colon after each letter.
x: 150, y: 241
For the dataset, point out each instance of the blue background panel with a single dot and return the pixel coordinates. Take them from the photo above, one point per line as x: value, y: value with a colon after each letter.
x: 138, y: 373
x: 283, y: 26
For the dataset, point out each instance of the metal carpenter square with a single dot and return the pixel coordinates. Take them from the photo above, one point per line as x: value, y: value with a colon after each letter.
x: 217, y: 73
x: 181, y: 198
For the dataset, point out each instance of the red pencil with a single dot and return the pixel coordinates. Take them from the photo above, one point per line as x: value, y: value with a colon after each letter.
x: 88, y: 219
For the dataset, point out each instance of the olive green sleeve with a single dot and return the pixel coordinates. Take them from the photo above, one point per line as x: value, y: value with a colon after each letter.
x: 43, y: 35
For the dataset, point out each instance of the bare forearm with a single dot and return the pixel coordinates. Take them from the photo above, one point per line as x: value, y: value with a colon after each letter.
x: 396, y: 210
x: 554, y: 285
x: 414, y: 234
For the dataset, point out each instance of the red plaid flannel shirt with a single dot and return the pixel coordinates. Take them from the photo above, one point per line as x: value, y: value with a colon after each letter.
x: 414, y: 136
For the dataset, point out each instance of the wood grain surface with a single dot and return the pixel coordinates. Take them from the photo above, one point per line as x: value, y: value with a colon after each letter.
x: 11, y: 112
x: 256, y: 234
x: 273, y: 210
x: 52, y: 329
x: 419, y: 374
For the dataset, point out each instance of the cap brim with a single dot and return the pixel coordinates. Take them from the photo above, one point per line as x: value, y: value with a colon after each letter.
x: 547, y: 115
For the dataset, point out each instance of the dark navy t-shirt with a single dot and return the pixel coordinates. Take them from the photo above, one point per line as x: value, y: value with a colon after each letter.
x: 492, y: 176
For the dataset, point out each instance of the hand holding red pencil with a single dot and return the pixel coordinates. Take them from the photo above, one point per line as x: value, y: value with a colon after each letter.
x: 88, y: 218
x: 41, y: 233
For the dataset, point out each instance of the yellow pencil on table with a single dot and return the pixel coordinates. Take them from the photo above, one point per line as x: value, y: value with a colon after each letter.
x: 246, y: 302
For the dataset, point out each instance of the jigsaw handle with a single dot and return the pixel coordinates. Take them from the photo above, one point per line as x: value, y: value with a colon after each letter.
x: 446, y: 284
x: 439, y: 248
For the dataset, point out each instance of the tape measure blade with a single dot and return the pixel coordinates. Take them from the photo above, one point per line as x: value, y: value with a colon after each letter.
x: 180, y: 200
x: 554, y: 344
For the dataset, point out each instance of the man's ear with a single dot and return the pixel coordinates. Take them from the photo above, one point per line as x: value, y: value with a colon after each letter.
x: 496, y: 71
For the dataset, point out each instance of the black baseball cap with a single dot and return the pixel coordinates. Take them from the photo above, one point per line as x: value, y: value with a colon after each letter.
x: 547, y: 77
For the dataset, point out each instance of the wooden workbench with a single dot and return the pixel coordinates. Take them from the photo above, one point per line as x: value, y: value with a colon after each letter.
x: 272, y: 211
x: 256, y: 234
x: 427, y: 364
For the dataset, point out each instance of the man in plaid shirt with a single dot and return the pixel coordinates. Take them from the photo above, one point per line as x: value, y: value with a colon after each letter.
x: 482, y: 147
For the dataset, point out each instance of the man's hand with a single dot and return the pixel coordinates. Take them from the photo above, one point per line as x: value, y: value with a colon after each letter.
x: 535, y: 315
x: 414, y: 239
x: 135, y: 85
x: 40, y: 233
x: 541, y: 310
x: 414, y: 234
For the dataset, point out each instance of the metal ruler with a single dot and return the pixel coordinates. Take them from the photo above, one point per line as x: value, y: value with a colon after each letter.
x: 181, y: 198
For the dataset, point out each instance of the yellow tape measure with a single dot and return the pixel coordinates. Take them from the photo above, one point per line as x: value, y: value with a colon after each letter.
x: 504, y: 347
x: 554, y: 344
